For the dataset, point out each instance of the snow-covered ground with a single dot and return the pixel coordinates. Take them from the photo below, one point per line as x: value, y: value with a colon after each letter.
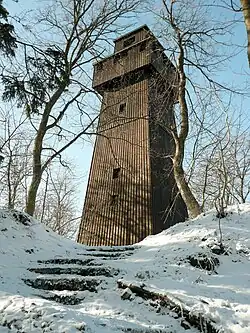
x: 217, y: 289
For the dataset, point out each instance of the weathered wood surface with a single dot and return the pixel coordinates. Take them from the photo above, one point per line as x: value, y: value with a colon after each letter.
x: 142, y: 198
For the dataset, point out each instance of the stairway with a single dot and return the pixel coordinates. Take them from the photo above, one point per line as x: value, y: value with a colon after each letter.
x: 67, y: 280
x: 72, y: 281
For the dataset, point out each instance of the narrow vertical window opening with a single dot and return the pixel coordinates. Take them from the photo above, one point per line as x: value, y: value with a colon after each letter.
x: 114, y: 199
x: 99, y: 66
x: 116, y: 172
x: 122, y: 107
x: 142, y: 46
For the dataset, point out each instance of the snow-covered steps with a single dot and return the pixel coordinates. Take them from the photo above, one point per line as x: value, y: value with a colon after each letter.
x: 116, y: 249
x: 82, y: 271
x: 109, y: 252
x: 105, y: 255
x: 75, y: 284
x: 177, y: 274
x: 63, y: 280
x: 147, y: 330
x: 64, y: 297
x: 67, y: 261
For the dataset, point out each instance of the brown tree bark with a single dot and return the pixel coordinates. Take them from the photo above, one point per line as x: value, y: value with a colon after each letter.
x: 37, y: 152
x: 193, y: 206
x: 246, y: 14
x: 181, y: 135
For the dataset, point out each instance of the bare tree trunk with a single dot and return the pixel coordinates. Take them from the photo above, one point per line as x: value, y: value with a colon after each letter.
x: 10, y: 199
x: 187, y: 195
x: 180, y: 135
x: 44, y: 197
x: 246, y: 14
x: 32, y: 193
x: 38, y: 169
x: 193, y: 206
x: 36, y: 161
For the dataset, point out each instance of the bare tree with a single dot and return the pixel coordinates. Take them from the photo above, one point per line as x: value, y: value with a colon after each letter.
x: 16, y: 167
x: 222, y: 173
x: 246, y: 14
x: 57, y: 201
x: 57, y: 197
x: 193, y: 44
x: 54, y: 82
x: 240, y: 168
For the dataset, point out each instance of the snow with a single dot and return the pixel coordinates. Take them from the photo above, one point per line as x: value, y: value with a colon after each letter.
x: 160, y: 263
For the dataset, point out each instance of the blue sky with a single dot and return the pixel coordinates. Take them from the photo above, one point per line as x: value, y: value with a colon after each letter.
x: 80, y: 153
x: 236, y: 70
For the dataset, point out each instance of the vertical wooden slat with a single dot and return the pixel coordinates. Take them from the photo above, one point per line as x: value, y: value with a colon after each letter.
x: 139, y: 161
x: 148, y: 169
x: 130, y: 218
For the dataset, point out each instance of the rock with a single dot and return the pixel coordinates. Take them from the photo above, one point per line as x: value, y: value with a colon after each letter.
x: 202, y: 261
x: 126, y: 294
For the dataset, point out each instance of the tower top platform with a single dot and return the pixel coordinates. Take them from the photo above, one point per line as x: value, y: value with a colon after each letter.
x: 140, y: 28
x: 132, y: 51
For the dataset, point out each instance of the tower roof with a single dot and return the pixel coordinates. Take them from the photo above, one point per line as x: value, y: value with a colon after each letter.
x: 142, y: 27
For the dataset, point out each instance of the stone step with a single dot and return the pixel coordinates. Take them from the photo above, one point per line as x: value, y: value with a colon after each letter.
x: 147, y: 330
x: 83, y: 271
x: 112, y: 249
x: 106, y: 255
x: 65, y: 299
x: 71, y: 261
x: 73, y: 284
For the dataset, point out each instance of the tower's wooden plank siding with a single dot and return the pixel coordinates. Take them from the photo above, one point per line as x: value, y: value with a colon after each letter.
x: 119, y: 64
x: 168, y: 207
x: 137, y: 203
x: 123, y: 142
x: 139, y: 36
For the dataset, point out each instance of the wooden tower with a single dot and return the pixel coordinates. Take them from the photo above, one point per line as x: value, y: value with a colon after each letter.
x: 131, y: 191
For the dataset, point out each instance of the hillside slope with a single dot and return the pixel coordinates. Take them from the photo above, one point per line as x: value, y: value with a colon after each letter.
x: 181, y: 279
